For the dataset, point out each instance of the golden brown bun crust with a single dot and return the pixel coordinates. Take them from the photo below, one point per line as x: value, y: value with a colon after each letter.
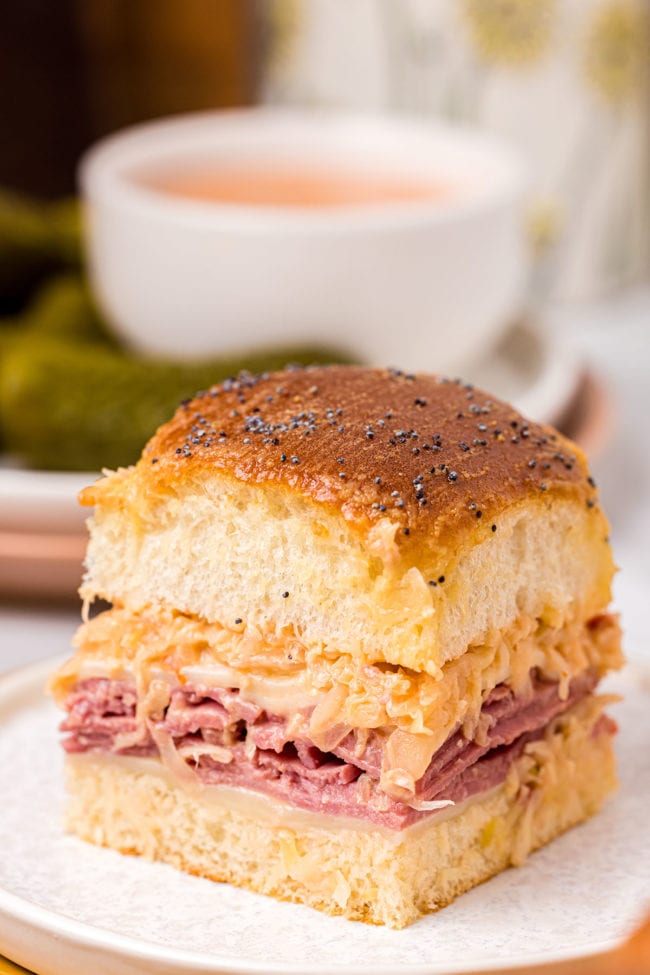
x: 431, y: 454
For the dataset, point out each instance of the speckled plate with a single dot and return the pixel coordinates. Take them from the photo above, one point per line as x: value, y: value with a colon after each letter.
x: 67, y: 908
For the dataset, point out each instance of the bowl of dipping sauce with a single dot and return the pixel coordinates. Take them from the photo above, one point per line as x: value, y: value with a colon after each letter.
x: 397, y: 241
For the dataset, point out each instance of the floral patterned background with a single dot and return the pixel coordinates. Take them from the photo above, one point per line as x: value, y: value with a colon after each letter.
x: 565, y: 80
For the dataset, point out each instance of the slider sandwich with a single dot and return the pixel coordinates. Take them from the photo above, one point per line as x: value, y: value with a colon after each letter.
x: 358, y: 623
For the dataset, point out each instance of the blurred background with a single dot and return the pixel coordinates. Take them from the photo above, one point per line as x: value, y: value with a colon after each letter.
x: 566, y: 82
x: 563, y: 86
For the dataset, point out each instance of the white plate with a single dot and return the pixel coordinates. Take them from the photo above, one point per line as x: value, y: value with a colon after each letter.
x: 530, y: 367
x: 69, y: 908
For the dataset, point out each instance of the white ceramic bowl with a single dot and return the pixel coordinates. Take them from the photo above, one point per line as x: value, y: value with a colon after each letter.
x: 425, y: 283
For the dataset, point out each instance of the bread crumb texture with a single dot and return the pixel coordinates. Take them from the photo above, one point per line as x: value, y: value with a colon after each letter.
x: 371, y: 876
x: 405, y: 542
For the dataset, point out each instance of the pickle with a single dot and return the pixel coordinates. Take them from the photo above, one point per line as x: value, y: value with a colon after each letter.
x: 66, y: 405
x: 36, y: 240
x: 70, y: 397
x: 64, y: 308
x: 10, y: 331
x: 66, y: 232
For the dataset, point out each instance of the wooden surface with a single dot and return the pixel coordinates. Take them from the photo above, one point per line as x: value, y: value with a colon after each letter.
x: 72, y: 71
x: 159, y: 57
x: 8, y: 968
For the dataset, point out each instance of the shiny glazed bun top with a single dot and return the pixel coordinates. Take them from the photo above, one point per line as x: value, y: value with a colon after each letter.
x: 395, y: 517
x: 425, y: 450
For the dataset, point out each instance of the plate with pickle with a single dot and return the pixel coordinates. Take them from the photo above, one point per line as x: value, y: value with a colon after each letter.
x: 73, y: 399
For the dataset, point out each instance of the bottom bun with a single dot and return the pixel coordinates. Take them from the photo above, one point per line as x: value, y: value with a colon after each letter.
x: 377, y: 876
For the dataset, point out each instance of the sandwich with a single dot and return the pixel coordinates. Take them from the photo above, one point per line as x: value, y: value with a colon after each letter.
x: 358, y: 622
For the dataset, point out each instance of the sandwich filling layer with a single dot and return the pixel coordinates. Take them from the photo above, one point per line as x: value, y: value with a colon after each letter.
x: 225, y: 703
x: 214, y: 736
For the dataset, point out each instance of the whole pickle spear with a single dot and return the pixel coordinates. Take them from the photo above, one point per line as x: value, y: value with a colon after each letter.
x: 71, y: 406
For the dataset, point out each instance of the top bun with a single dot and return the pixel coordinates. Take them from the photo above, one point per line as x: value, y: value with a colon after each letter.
x: 408, y: 517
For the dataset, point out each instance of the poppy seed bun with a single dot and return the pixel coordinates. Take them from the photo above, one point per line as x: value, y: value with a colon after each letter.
x: 369, y: 606
x: 392, y: 517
